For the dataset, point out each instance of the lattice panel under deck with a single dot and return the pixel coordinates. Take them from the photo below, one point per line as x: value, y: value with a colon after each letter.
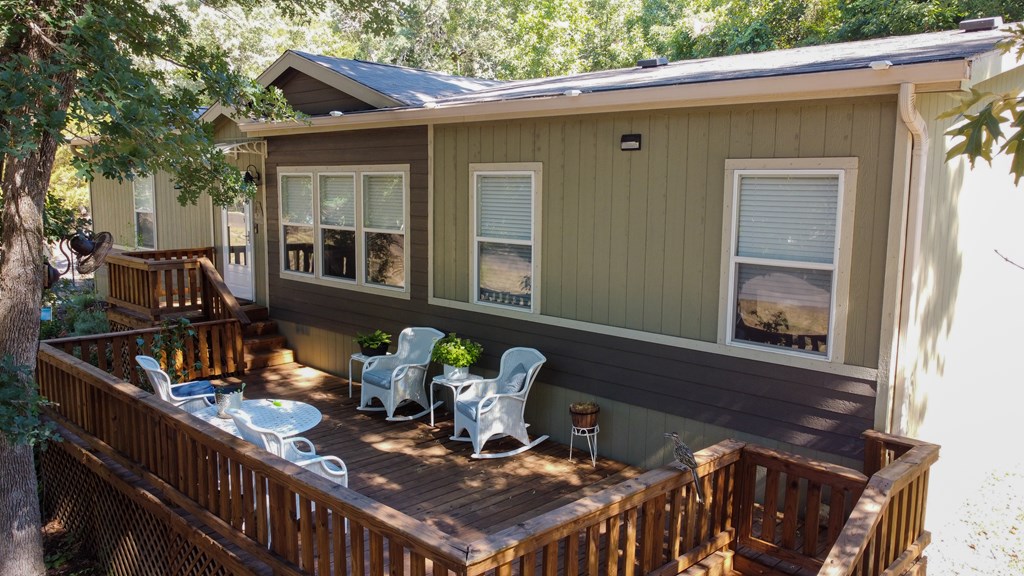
x: 128, y: 539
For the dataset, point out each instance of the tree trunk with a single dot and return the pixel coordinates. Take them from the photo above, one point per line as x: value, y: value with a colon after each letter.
x: 25, y: 179
x: 21, y: 285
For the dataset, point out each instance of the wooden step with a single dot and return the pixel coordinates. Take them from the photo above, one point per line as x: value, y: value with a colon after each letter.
x: 264, y: 343
x: 717, y: 564
x: 269, y: 358
x: 255, y: 312
x: 260, y: 328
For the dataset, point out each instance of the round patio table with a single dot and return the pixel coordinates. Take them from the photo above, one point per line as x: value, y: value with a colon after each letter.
x: 286, y: 417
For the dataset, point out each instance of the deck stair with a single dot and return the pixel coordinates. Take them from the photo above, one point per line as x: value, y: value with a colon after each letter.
x: 263, y: 345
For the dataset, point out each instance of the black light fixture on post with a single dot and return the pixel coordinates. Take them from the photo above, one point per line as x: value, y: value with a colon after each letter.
x: 252, y: 175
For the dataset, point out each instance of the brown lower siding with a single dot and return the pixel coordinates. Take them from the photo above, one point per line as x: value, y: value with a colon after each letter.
x: 814, y: 410
x: 810, y: 409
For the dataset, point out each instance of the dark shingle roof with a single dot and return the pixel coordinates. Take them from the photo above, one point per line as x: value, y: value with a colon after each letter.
x: 900, y: 50
x: 410, y: 86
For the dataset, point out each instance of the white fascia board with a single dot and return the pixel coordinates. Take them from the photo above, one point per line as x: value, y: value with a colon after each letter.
x: 929, y: 77
x: 990, y: 65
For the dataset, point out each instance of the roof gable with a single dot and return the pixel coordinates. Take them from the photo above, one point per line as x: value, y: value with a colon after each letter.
x: 315, y: 98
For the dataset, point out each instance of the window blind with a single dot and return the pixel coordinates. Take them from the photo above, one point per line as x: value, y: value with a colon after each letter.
x: 297, y: 199
x: 504, y: 207
x: 338, y: 200
x: 788, y: 218
x: 383, y: 205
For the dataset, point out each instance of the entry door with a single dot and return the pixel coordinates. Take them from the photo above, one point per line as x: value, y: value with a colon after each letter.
x: 236, y: 222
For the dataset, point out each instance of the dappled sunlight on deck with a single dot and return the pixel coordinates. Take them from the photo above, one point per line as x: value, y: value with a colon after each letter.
x: 418, y: 470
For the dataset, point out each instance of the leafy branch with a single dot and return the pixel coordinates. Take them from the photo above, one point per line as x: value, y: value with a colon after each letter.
x: 982, y: 130
x: 20, y: 405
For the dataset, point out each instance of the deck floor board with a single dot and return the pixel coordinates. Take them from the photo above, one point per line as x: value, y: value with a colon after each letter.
x: 418, y: 470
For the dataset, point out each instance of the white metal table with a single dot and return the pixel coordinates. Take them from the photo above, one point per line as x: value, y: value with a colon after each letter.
x: 357, y: 357
x: 457, y: 385
x: 286, y: 417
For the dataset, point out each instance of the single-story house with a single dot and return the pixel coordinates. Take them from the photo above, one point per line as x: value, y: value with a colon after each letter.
x: 764, y: 246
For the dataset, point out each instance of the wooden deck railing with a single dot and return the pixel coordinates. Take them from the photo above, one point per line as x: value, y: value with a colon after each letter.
x: 167, y: 283
x: 885, y: 534
x: 300, y: 523
x: 812, y: 494
x: 214, y: 351
x: 251, y: 498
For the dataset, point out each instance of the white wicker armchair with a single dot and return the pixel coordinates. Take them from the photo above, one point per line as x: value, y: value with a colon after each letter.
x: 189, y: 396
x: 497, y: 407
x: 398, y: 378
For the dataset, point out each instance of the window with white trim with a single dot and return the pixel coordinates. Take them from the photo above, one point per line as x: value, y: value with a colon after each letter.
x: 345, y: 226
x: 144, y: 199
x: 505, y: 237
x: 787, y: 270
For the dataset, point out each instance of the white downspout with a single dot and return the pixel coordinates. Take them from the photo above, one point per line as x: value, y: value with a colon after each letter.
x: 909, y: 330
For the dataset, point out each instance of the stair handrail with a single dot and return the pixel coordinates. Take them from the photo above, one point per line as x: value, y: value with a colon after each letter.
x: 219, y: 291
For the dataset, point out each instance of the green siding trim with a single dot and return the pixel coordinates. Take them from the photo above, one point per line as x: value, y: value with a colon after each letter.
x: 633, y: 239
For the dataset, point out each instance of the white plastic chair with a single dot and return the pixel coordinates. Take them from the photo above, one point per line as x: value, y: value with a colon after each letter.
x: 180, y: 395
x: 400, y: 377
x: 273, y: 442
x: 496, y: 407
x: 330, y: 467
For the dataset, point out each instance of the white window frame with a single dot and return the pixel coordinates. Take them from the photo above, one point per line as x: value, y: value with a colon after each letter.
x: 136, y: 210
x: 845, y: 169
x: 360, y: 284
x: 534, y: 170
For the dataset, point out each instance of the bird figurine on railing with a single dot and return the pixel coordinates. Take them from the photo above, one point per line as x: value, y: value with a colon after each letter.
x: 684, y: 456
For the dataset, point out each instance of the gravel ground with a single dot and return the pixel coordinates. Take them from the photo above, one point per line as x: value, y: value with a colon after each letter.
x: 982, y: 532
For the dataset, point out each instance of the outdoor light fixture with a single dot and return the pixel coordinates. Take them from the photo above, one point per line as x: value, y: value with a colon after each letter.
x: 251, y: 176
x: 629, y: 142
x: 880, y: 64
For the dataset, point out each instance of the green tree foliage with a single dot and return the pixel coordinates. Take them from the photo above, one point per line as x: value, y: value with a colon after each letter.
x: 127, y: 76
x: 523, y: 38
x: 878, y: 18
x: 721, y: 27
x: 984, y: 116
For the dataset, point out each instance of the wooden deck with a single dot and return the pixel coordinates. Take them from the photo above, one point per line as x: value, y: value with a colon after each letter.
x: 417, y: 470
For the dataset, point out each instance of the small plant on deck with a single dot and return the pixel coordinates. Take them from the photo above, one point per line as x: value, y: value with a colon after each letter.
x: 456, y: 352
x: 373, y: 344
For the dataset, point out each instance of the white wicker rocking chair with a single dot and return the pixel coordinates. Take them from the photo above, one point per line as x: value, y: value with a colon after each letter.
x: 400, y: 377
x: 496, y: 407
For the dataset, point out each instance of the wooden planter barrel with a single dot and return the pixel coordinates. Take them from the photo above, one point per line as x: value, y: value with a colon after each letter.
x: 586, y: 418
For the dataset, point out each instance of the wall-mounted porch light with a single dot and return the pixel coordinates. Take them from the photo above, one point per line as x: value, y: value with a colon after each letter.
x: 251, y: 176
x: 629, y: 142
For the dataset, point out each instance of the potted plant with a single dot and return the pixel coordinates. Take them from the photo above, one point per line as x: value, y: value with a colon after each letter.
x: 456, y: 354
x: 373, y: 344
x: 228, y: 397
x: 584, y: 414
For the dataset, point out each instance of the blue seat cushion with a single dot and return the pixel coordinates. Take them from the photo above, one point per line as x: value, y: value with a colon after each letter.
x: 516, y: 378
x: 468, y: 409
x: 197, y: 388
x: 378, y: 378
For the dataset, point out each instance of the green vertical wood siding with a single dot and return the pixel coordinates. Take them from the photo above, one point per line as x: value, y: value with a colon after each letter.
x: 634, y: 239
